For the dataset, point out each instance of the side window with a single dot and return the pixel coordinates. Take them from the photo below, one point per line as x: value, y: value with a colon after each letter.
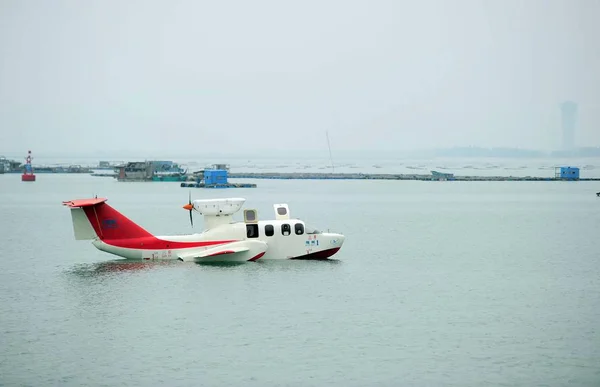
x: 269, y: 230
x: 252, y: 230
x: 299, y: 228
x: 286, y: 229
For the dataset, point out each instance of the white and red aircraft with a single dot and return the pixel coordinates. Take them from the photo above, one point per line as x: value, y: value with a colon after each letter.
x: 223, y: 239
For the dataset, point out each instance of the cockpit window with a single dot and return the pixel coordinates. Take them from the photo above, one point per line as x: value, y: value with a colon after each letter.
x: 310, y: 230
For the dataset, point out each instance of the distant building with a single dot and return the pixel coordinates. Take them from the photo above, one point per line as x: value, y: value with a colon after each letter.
x: 569, y: 118
x: 566, y: 173
x: 435, y: 175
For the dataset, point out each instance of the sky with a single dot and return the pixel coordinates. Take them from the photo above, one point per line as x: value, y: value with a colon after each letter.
x: 165, y: 77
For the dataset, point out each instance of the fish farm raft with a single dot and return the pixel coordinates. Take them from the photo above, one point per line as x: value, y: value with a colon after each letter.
x: 561, y: 174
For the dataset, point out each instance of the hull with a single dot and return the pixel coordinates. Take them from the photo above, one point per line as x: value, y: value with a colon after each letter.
x: 25, y: 177
x: 177, y: 178
x: 235, y: 258
x: 324, y: 254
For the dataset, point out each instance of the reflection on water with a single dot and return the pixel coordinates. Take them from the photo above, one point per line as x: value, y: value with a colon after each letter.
x: 116, y: 266
x: 221, y: 264
x: 269, y: 265
x: 299, y: 266
x: 95, y: 270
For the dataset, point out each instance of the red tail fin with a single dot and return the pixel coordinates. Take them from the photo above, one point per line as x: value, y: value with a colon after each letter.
x: 107, y: 222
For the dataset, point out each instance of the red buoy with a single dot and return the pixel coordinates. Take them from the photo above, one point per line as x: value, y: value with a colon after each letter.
x: 28, y: 174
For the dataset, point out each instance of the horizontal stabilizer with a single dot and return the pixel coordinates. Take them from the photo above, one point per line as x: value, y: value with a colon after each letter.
x: 77, y: 203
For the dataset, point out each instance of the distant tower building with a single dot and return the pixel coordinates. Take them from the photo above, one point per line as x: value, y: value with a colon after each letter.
x: 569, y: 117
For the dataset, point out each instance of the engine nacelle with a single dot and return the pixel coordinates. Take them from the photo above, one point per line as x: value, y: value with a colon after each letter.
x: 217, y: 207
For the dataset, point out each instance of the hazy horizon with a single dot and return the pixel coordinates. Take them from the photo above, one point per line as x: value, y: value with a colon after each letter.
x: 286, y: 157
x: 187, y: 77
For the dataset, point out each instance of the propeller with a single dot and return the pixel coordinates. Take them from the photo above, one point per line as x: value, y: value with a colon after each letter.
x: 190, y: 207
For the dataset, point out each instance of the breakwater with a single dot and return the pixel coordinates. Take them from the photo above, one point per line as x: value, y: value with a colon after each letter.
x: 388, y: 176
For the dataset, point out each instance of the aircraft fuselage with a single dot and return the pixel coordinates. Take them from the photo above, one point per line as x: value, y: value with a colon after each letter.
x: 286, y: 239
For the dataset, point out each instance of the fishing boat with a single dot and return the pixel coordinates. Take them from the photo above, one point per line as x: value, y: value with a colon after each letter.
x: 169, y: 176
x: 151, y: 171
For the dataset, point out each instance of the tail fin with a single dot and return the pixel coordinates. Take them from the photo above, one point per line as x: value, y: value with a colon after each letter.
x: 94, y: 218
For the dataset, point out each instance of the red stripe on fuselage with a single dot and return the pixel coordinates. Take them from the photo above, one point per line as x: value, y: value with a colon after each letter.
x: 257, y: 257
x: 153, y: 243
x: 115, y: 229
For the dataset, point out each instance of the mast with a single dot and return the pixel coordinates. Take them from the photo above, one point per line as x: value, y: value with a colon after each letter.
x: 330, y: 157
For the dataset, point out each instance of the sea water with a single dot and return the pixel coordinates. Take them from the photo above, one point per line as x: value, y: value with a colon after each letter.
x: 437, y: 284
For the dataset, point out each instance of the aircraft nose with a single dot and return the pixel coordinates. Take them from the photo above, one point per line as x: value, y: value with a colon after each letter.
x: 337, y: 240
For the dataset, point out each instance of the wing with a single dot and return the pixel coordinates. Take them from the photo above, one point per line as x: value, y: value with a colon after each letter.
x: 229, y: 252
x: 198, y: 254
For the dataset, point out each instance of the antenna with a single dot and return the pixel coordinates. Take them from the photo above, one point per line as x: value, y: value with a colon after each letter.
x: 330, y: 158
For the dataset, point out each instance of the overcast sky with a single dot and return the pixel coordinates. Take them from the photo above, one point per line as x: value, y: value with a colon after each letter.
x: 171, y: 76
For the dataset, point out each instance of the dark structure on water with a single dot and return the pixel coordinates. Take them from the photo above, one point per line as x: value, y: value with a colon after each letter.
x: 215, y: 178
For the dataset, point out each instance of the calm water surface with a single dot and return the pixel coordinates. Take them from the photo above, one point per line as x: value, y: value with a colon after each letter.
x: 438, y: 283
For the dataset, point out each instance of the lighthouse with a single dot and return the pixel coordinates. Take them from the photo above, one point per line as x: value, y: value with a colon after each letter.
x: 28, y: 173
